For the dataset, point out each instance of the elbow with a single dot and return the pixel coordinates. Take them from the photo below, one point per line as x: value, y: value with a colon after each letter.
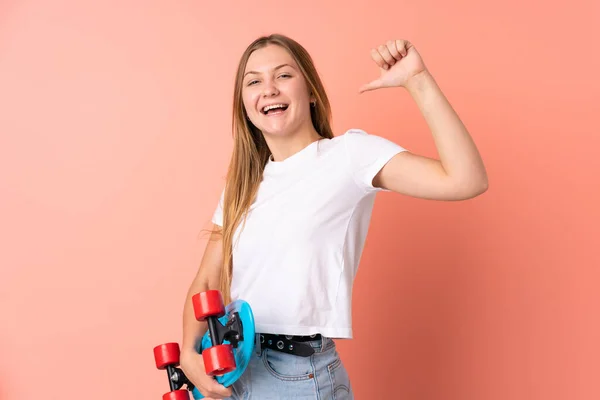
x: 473, y: 187
x: 481, y: 189
x: 483, y: 182
x: 479, y: 186
x: 484, y: 185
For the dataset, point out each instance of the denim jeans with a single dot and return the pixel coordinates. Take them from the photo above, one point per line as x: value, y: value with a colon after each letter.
x: 275, y: 375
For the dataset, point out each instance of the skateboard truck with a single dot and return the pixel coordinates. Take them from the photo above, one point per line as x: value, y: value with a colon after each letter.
x: 232, y: 331
x: 177, y: 378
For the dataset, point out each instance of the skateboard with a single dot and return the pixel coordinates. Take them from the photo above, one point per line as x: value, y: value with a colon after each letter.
x: 226, y: 347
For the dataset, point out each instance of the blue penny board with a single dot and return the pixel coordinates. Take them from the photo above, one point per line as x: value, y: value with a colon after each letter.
x: 243, y: 352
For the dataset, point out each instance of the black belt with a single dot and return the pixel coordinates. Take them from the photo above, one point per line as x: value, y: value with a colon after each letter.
x: 289, y: 344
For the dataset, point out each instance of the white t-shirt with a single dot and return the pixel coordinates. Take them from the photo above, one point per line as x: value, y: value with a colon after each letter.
x: 295, y: 259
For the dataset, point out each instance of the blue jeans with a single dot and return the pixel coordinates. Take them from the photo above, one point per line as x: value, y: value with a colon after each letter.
x: 272, y: 374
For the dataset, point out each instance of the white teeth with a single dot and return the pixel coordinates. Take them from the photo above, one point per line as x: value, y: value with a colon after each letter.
x: 267, y: 108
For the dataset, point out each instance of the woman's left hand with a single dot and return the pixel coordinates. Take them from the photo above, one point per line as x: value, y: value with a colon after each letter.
x: 398, y: 61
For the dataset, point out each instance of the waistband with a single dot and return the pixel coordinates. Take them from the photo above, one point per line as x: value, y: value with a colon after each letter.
x: 303, y: 346
x: 294, y: 338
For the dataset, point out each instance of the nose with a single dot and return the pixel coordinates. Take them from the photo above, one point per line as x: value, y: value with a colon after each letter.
x: 270, y: 89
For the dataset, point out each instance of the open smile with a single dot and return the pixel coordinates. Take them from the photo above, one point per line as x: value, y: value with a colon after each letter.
x: 274, y: 109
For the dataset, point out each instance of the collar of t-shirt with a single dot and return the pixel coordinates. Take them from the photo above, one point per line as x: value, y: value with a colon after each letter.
x: 292, y: 162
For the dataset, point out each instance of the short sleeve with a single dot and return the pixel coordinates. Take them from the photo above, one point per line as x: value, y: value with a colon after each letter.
x: 218, y: 213
x: 367, y: 154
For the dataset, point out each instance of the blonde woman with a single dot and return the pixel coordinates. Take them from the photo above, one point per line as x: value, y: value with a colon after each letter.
x: 293, y: 216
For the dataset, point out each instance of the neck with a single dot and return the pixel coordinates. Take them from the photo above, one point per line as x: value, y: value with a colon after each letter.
x: 286, y: 146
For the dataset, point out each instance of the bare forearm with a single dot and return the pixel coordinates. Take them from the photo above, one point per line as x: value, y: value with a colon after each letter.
x: 207, y: 277
x: 457, y: 151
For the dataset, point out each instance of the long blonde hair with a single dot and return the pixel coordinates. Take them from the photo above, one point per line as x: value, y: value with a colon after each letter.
x: 250, y: 150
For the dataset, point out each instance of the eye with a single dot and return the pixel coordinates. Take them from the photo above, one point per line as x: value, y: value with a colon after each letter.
x: 285, y: 75
x: 252, y: 82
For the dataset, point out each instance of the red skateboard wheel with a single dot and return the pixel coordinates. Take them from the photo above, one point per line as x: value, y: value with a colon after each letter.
x: 219, y: 359
x: 208, y: 304
x: 177, y: 395
x: 166, y: 354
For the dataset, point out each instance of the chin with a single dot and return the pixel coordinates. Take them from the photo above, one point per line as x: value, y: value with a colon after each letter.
x: 282, y: 130
x: 275, y: 132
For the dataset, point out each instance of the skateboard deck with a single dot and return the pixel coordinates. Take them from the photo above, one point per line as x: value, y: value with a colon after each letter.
x: 245, y: 346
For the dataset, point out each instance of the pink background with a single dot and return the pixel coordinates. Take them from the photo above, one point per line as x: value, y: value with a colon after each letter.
x: 115, y: 138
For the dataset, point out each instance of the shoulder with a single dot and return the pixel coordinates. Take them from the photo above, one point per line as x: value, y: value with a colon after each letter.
x: 356, y: 138
x: 338, y: 144
x: 354, y: 134
x: 358, y: 143
x: 351, y: 136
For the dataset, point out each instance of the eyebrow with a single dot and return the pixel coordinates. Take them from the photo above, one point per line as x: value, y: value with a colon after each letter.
x: 274, y: 69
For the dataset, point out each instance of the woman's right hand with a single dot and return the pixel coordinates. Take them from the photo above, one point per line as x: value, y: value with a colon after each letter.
x: 192, y: 364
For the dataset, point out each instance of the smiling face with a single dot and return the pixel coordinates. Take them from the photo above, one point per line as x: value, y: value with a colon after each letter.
x: 274, y: 92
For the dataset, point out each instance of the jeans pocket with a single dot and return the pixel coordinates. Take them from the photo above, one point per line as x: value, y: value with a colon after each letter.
x: 340, y: 381
x: 287, y: 367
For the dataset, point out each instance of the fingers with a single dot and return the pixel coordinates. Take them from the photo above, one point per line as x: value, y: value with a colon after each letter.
x: 225, y: 392
x: 192, y: 364
x: 388, y: 54
x: 401, y: 46
x: 216, y: 391
x: 378, y: 58
x: 383, y: 57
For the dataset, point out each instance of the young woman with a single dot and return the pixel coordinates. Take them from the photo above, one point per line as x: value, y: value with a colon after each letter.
x: 293, y: 216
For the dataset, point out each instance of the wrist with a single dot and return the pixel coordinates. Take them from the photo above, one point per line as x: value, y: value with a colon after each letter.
x: 420, y: 81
